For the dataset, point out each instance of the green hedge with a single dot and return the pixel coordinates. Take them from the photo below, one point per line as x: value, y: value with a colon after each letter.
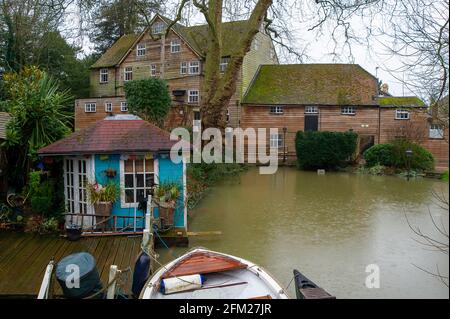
x: 324, y: 150
x: 394, y: 155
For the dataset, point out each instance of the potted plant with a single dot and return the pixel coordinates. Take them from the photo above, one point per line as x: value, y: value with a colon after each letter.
x: 102, y: 197
x: 166, y: 197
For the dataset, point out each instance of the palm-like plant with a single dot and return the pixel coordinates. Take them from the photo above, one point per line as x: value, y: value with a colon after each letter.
x: 37, y: 107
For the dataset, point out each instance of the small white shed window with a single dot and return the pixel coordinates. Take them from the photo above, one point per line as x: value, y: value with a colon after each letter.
x: 137, y: 179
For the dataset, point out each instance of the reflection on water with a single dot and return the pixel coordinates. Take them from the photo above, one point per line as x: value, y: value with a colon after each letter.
x: 329, y: 227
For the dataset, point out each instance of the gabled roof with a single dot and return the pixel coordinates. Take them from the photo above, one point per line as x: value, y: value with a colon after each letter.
x: 195, y: 37
x: 4, y: 119
x: 115, y: 53
x: 313, y: 84
x: 112, y: 137
x: 404, y: 101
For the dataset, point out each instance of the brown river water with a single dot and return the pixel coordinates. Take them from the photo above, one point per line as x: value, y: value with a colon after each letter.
x: 330, y: 228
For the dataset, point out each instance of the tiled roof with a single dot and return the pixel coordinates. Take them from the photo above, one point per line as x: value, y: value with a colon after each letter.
x: 112, y: 137
x: 115, y: 53
x: 405, y: 101
x: 195, y: 36
x: 320, y: 84
x: 4, y: 119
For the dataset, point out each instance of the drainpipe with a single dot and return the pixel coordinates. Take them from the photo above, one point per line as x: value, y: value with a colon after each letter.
x: 163, y: 55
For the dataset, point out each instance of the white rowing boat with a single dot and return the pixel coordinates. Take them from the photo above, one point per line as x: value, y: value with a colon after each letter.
x: 205, y: 274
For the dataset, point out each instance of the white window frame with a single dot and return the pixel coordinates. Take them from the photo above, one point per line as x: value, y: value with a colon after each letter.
x: 194, y: 65
x: 184, y: 68
x: 256, y: 44
x: 276, y: 110
x: 158, y: 28
x: 193, y: 94
x: 128, y: 74
x: 90, y: 107
x: 436, y: 131
x: 141, y: 50
x: 224, y: 64
x: 402, y: 114
x: 155, y: 173
x: 348, y: 110
x: 312, y: 109
x: 153, y: 70
x: 108, y: 107
x: 175, y: 46
x: 104, y: 75
x: 276, y: 141
x: 228, y: 115
x: 123, y: 106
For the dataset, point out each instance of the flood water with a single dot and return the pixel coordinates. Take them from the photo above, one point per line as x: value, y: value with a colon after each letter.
x: 329, y: 227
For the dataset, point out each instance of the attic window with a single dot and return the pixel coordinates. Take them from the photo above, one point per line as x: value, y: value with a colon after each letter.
x: 103, y: 75
x: 140, y: 49
x: 348, y: 110
x: 401, y: 114
x: 158, y: 28
x: 175, y: 46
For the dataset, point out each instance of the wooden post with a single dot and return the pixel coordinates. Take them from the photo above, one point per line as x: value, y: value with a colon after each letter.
x: 43, y: 291
x: 113, y: 271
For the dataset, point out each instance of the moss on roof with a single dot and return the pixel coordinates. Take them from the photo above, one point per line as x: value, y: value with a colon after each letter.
x: 195, y: 36
x: 411, y: 101
x: 326, y: 84
x: 115, y: 53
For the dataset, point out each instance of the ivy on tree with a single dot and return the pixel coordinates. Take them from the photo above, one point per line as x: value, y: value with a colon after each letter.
x: 148, y: 99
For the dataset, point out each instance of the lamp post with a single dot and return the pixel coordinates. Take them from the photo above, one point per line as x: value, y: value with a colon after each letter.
x: 284, y: 144
x: 409, y: 154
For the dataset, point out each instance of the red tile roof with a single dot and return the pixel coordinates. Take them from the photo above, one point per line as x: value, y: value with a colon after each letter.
x: 112, y: 136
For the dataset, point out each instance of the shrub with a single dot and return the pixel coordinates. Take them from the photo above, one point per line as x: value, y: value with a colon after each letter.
x: 98, y: 193
x: 40, y: 194
x: 326, y: 150
x: 394, y: 155
x: 380, y: 154
x: 445, y: 176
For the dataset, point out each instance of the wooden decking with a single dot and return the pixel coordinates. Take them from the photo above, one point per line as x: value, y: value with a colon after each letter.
x: 24, y: 257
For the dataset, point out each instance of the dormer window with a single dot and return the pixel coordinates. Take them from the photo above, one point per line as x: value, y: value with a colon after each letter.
x: 140, y: 50
x: 175, y: 46
x: 158, y: 28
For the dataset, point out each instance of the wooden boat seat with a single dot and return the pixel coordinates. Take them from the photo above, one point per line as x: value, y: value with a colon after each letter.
x: 203, y: 263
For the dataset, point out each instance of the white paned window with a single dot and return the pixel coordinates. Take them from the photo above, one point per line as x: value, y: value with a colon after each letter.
x: 153, y: 70
x: 90, y: 107
x: 348, y: 110
x: 175, y: 46
x: 193, y: 96
x: 436, y: 131
x: 401, y: 114
x: 103, y: 75
x: 311, y: 110
x: 138, y: 178
x: 223, y: 64
x: 140, y: 49
x: 276, y: 140
x: 277, y: 110
x: 108, y: 107
x: 158, y: 28
x: 184, y: 67
x: 128, y: 74
x: 123, y: 107
x: 194, y: 67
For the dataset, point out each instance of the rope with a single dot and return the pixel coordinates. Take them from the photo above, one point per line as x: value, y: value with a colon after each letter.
x: 116, y: 277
